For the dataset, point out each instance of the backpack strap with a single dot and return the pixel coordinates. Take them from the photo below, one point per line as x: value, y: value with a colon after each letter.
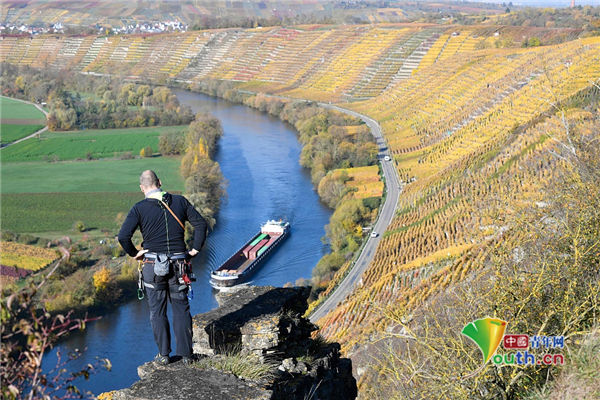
x: 173, y: 214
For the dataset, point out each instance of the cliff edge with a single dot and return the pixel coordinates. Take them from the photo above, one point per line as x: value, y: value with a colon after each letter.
x: 255, y: 345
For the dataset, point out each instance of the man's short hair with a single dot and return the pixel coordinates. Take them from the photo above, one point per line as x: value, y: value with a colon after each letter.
x: 148, y: 178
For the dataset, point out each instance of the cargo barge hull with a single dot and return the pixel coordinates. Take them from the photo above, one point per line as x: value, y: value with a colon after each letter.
x: 244, y: 262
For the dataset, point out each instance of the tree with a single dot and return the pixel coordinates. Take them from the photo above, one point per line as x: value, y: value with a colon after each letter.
x: 105, y: 285
x: 332, y: 188
x: 171, y: 143
x: 146, y: 152
x: 27, y: 333
x: 20, y: 83
x: 79, y: 226
x: 343, y: 223
x: 204, y: 128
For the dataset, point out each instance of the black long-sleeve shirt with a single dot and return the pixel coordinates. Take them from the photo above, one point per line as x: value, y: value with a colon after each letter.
x: 160, y: 230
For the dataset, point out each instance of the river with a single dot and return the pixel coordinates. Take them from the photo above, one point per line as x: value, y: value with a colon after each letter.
x: 259, y: 157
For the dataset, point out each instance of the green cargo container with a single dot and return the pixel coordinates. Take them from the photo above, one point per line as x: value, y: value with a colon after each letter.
x: 258, y: 239
x: 262, y: 250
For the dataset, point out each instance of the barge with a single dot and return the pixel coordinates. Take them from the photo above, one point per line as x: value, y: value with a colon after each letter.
x: 240, y: 266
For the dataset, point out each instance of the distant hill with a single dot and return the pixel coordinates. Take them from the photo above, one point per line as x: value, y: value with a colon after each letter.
x: 95, y: 15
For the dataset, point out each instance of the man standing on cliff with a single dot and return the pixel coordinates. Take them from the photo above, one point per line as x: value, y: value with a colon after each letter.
x: 161, y: 217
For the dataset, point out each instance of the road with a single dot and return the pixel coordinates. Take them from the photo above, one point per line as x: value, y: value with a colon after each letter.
x: 34, y: 134
x: 386, y: 215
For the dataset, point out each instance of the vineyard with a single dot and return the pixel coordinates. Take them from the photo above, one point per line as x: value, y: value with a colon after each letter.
x: 88, y: 16
x: 26, y: 257
x: 352, y: 62
x: 481, y: 139
x: 363, y: 182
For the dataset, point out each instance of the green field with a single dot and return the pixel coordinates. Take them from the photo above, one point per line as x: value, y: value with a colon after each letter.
x: 87, y: 176
x: 14, y: 109
x: 42, y: 197
x: 11, y: 132
x: 94, y: 143
x: 57, y: 212
x: 46, y: 198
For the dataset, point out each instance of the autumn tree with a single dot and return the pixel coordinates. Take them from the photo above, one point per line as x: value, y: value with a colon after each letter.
x: 105, y: 285
x: 27, y: 333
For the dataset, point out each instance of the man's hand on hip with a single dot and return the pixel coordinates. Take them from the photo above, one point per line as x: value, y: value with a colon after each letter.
x: 193, y: 252
x: 140, y: 254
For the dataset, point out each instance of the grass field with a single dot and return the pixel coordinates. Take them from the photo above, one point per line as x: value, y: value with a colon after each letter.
x: 46, y: 198
x: 14, y: 109
x: 87, y: 176
x: 11, y: 132
x: 57, y: 212
x: 365, y: 180
x: 82, y: 144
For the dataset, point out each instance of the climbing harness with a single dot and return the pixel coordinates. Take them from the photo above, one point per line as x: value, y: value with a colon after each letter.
x: 182, y: 267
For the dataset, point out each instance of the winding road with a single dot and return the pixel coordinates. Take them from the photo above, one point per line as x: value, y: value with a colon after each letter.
x: 393, y: 188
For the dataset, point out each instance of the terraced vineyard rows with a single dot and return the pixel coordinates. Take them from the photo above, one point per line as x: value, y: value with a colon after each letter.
x: 31, y: 258
x: 346, y: 62
x: 497, y: 157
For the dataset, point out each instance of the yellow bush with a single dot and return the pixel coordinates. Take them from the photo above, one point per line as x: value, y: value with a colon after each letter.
x: 103, y: 279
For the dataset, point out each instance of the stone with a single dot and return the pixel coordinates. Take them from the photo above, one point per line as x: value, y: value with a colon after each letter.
x: 253, y: 319
x: 266, y: 322
x: 291, y: 365
x: 176, y: 381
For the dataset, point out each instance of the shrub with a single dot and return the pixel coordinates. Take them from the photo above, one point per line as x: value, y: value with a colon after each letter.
x: 27, y: 332
x: 129, y: 270
x: 105, y: 285
x: 117, y: 251
x: 79, y: 226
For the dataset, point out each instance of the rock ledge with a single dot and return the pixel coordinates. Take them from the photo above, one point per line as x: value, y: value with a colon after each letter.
x: 262, y: 325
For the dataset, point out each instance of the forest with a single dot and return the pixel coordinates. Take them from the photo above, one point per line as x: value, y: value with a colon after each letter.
x: 86, y: 102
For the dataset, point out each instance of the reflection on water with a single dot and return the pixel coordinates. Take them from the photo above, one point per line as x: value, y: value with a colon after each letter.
x: 259, y: 156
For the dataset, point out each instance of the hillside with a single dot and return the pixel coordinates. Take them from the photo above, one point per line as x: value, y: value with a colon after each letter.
x: 479, y: 128
x: 318, y: 62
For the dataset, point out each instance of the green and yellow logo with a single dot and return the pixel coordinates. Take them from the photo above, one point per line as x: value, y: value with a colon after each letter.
x: 487, y: 333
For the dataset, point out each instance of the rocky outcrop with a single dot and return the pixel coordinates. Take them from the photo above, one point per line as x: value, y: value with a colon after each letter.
x: 261, y: 326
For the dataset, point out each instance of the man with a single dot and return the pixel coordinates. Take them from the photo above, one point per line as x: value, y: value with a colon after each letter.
x: 161, y: 217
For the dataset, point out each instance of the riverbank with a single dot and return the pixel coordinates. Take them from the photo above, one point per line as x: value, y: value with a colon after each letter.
x: 333, y: 141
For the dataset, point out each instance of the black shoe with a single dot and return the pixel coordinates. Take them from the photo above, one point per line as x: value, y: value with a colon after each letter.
x: 161, y: 360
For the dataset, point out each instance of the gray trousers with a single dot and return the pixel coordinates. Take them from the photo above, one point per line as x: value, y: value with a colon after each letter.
x: 182, y: 320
